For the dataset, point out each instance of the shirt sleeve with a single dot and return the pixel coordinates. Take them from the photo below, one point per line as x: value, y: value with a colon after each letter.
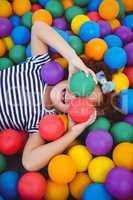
x: 40, y: 59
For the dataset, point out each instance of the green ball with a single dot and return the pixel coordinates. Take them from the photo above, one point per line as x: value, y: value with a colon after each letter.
x: 100, y: 123
x: 72, y: 12
x: 122, y: 132
x: 81, y: 2
x: 3, y: 163
x: 121, y: 9
x: 27, y: 19
x: 82, y: 85
x: 55, y: 8
x: 5, y: 63
x: 17, y: 54
x: 77, y: 44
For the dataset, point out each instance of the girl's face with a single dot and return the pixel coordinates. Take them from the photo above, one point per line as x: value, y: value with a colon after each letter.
x: 60, y: 96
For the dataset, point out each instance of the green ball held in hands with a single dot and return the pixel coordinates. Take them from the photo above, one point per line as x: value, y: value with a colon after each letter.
x: 3, y: 163
x: 5, y: 63
x: 82, y: 85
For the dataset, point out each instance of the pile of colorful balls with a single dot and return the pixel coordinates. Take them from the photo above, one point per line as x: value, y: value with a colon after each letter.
x: 100, y: 168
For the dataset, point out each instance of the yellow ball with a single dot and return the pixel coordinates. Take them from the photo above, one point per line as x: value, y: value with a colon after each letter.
x: 115, y: 23
x: 42, y: 15
x: 77, y: 22
x: 5, y: 8
x: 21, y: 7
x: 78, y: 185
x: 99, y: 167
x: 2, y: 48
x: 62, y: 169
x: 121, y: 81
x: 81, y: 156
x: 8, y: 42
x: 62, y: 61
x: 56, y: 191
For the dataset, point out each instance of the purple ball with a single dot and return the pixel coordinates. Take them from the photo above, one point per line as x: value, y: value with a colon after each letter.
x: 129, y: 119
x: 99, y: 142
x: 119, y: 183
x: 105, y: 28
x: 52, y: 73
x: 60, y: 23
x: 69, y: 32
x: 5, y: 27
x: 124, y: 33
x: 129, y: 51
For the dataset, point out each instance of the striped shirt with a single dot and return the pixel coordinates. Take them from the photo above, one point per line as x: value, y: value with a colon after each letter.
x: 21, y: 94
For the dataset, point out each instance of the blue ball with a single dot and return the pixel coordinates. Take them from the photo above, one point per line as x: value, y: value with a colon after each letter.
x: 94, y: 5
x: 96, y: 191
x: 113, y: 41
x: 1, y: 198
x: 8, y: 185
x: 20, y: 35
x: 43, y: 2
x: 89, y: 30
x: 15, y: 20
x: 115, y: 58
x: 128, y: 21
x: 28, y: 51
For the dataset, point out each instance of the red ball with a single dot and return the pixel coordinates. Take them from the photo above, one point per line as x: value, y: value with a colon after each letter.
x: 35, y: 7
x: 12, y: 141
x: 94, y: 16
x: 129, y: 72
x: 32, y: 186
x: 81, y: 109
x: 51, y: 127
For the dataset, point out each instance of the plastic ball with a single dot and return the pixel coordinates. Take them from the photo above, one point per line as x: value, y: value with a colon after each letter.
x: 32, y: 185
x: 21, y: 7
x: 78, y: 185
x: 124, y: 33
x: 122, y: 132
x: 89, y: 30
x: 115, y: 23
x: 81, y: 109
x: 5, y: 63
x: 95, y: 49
x: 112, y: 60
x: 55, y: 169
x: 128, y: 21
x: 128, y: 4
x: 81, y: 156
x: 109, y: 9
x: 8, y: 184
x: 123, y: 155
x: 64, y: 118
x: 72, y: 12
x: 129, y: 49
x: 129, y: 119
x: 94, y: 5
x: 94, y: 16
x: 96, y: 191
x: 20, y: 35
x: 28, y: 51
x: 87, y: 84
x: 60, y: 23
x: 8, y: 42
x: 5, y: 9
x: 99, y: 167
x: 27, y: 19
x: 56, y: 191
x: 35, y: 7
x: 51, y: 127
x: 81, y: 2
x: 77, y: 44
x: 2, y: 48
x: 121, y: 9
x: 1, y: 198
x: 55, y: 8
x: 119, y: 182
x: 62, y: 61
x: 105, y: 28
x: 52, y: 73
x: 17, y: 54
x: 42, y: 15
x: 3, y: 163
x: 120, y: 81
x: 43, y: 2
x: 15, y: 20
x: 99, y: 142
x: 113, y: 41
x: 77, y: 22
x: 67, y: 4
x: 5, y: 27
x: 100, y: 123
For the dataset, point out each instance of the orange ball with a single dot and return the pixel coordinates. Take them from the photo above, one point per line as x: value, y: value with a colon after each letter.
x: 65, y: 121
x: 123, y: 155
x: 20, y: 7
x: 128, y: 4
x: 62, y: 61
x: 109, y: 9
x: 78, y: 185
x: 42, y: 15
x: 2, y: 48
x: 115, y: 23
x: 95, y: 49
x: 5, y: 8
x: 62, y: 169
x: 67, y: 3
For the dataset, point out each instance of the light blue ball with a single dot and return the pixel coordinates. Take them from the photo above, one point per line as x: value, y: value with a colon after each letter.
x: 113, y: 41
x: 89, y: 30
x: 96, y: 191
x: 43, y: 2
x: 128, y: 21
x: 15, y: 20
x: 94, y: 5
x: 21, y: 35
x: 28, y: 51
x: 8, y: 185
x: 115, y: 58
